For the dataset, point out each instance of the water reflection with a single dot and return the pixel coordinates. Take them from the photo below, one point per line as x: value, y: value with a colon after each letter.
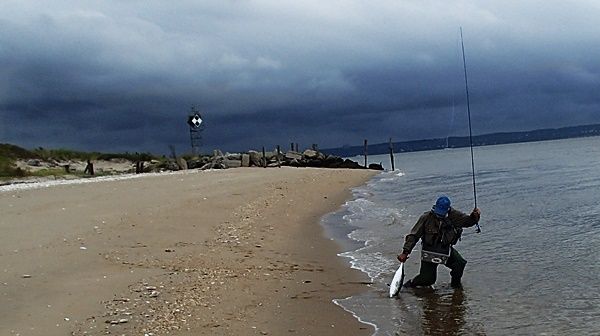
x: 445, y: 313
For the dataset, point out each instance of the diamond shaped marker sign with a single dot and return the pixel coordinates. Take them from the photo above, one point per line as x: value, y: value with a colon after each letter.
x: 195, y: 120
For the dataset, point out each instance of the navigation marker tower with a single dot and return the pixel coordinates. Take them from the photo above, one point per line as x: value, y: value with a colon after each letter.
x: 196, y: 124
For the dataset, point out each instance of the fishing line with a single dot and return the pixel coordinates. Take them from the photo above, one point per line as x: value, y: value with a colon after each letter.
x: 450, y: 124
x: 452, y: 111
x: 462, y: 44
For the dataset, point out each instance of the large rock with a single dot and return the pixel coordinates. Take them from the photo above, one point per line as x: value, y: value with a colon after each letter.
x: 350, y: 164
x: 172, y: 166
x: 197, y: 162
x: 255, y: 158
x: 233, y: 156
x: 245, y: 160
x: 232, y: 163
x: 34, y: 163
x: 315, y: 163
x: 182, y: 164
x: 375, y: 166
x: 213, y: 165
x: 333, y: 161
x: 310, y: 154
x: 293, y: 155
x: 272, y: 155
x: 294, y: 163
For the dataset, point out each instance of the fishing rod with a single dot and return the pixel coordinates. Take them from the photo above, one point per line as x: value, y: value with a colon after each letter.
x: 470, y: 129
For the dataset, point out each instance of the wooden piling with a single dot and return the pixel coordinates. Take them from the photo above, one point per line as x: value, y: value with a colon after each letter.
x: 297, y: 148
x: 365, y: 153
x: 264, y: 158
x: 292, y: 146
x: 392, y: 154
x: 278, y: 153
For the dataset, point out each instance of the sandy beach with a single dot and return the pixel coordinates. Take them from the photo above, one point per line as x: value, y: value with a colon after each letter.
x: 234, y: 252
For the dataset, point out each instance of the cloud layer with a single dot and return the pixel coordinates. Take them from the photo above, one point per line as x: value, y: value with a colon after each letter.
x: 116, y: 75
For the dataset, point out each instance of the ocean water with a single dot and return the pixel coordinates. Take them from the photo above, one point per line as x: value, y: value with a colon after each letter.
x: 534, y: 269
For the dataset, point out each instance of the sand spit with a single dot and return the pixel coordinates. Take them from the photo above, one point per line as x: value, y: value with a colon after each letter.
x: 234, y: 252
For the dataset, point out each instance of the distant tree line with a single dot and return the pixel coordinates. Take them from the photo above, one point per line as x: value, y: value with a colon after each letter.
x: 479, y: 140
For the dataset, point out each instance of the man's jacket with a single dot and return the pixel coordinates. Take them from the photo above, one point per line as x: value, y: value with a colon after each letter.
x: 438, y: 232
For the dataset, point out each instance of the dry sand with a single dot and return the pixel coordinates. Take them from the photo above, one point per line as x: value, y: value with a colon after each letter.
x: 235, y: 252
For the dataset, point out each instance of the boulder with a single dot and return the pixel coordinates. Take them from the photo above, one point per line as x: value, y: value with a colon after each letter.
x: 195, y: 163
x: 255, y: 158
x: 315, y: 163
x: 233, y: 156
x: 311, y: 154
x: 34, y: 162
x: 350, y: 164
x: 213, y: 165
x: 182, y: 164
x: 232, y: 163
x: 172, y: 166
x: 333, y: 161
x: 294, y: 163
x: 375, y: 166
x: 293, y: 155
x: 245, y: 160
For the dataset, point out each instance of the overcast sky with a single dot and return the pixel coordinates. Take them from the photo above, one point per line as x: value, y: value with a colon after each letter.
x: 122, y: 75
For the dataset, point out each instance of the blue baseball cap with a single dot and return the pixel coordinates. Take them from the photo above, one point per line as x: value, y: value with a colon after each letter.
x: 442, y: 206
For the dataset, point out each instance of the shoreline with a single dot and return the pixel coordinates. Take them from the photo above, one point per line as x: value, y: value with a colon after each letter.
x: 231, y: 252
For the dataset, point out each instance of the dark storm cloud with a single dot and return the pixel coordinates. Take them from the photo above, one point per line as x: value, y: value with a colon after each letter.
x: 114, y: 75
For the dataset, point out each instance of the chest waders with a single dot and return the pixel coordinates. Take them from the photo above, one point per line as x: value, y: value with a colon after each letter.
x: 439, y: 253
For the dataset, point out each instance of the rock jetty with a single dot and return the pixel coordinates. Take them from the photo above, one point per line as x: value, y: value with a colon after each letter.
x: 308, y: 158
x: 41, y: 169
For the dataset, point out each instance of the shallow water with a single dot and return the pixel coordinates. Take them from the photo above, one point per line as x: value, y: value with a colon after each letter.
x: 532, y: 271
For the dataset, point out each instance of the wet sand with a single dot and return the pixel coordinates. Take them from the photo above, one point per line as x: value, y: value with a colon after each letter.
x: 235, y: 252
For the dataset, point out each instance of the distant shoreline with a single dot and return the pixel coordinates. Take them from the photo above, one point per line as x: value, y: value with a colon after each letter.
x: 479, y: 140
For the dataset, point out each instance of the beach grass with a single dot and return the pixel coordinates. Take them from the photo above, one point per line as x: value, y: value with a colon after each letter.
x: 8, y: 169
x: 9, y: 154
x: 67, y: 154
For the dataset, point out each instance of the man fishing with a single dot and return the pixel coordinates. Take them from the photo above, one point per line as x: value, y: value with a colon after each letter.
x: 439, y: 229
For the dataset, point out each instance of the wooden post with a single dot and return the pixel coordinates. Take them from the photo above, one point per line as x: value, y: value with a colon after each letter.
x: 264, y: 158
x: 292, y: 146
x: 392, y: 154
x: 89, y: 168
x: 297, y: 148
x: 366, y: 166
x: 278, y: 160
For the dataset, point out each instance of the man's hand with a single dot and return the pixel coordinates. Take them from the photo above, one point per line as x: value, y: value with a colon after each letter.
x: 402, y: 257
x: 476, y: 214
